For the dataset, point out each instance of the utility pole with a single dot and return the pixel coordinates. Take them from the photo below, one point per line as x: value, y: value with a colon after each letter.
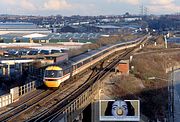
x: 172, y: 96
x: 169, y: 102
x: 165, y: 40
x: 145, y: 11
x: 142, y: 10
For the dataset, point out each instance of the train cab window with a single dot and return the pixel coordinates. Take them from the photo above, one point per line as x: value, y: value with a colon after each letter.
x: 53, y: 73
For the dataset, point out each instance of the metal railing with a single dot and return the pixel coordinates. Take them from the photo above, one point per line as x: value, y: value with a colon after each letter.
x: 26, y: 88
x: 17, y: 92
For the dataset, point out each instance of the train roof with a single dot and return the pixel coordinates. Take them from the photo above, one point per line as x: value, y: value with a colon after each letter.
x: 92, y: 52
x: 79, y: 57
x: 104, y: 47
x: 63, y: 65
x: 83, y: 56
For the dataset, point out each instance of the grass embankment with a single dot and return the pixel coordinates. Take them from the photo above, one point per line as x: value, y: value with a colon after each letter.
x: 153, y: 94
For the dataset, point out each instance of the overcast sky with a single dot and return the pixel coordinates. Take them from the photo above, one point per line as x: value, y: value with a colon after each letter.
x: 87, y: 7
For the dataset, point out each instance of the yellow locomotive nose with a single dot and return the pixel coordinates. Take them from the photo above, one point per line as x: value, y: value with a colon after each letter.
x: 52, y: 76
x: 52, y: 84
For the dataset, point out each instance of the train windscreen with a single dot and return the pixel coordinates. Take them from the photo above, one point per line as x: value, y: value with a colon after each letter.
x: 53, y: 73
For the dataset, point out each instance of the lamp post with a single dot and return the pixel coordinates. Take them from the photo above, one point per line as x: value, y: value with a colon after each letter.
x: 165, y: 40
x: 100, y: 91
x: 170, y: 97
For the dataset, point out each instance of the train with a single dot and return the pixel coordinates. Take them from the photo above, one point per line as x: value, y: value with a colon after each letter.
x: 57, y: 74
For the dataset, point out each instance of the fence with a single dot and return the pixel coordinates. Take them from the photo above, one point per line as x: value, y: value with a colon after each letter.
x: 22, y: 90
x: 17, y: 92
x: 172, y: 68
x: 5, y: 100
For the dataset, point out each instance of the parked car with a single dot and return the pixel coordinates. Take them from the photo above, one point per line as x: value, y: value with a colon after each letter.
x: 33, y: 52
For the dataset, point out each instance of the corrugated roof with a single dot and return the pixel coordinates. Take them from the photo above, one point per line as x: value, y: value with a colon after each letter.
x: 108, y: 27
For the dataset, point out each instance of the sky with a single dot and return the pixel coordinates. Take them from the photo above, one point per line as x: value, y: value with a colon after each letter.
x: 87, y: 7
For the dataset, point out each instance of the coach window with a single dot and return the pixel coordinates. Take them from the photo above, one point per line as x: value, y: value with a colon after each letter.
x: 66, y: 71
x: 97, y: 56
x: 74, y: 67
x: 79, y: 65
x: 94, y: 57
x: 86, y: 61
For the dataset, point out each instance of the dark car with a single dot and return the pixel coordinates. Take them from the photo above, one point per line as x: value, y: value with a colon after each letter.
x: 64, y: 50
x: 23, y: 52
x: 45, y: 52
x: 55, y: 51
x: 12, y: 52
x: 33, y: 52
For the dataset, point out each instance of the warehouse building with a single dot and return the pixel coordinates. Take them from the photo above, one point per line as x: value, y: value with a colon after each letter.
x: 21, y: 27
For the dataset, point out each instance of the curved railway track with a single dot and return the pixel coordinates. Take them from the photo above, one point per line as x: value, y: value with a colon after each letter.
x: 30, y: 102
x: 59, y: 107
x: 38, y: 104
x: 20, y: 102
x: 46, y: 107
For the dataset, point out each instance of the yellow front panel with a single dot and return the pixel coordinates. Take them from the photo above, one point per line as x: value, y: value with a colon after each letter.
x: 54, y: 84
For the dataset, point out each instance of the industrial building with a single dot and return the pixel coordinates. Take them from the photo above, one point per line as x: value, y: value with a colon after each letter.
x: 20, y: 27
x: 50, y: 38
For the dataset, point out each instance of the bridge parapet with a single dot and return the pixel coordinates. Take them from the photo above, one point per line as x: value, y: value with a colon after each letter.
x: 73, y: 111
x: 17, y: 92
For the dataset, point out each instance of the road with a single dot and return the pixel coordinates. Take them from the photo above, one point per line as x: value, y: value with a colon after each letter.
x: 177, y: 96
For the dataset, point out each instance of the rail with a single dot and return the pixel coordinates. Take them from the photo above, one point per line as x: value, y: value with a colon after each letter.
x: 76, y: 93
x: 17, y: 92
x: 87, y: 88
x: 71, y: 104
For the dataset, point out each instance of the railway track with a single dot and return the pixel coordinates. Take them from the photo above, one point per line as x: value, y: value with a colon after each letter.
x: 38, y: 104
x: 16, y: 110
x: 54, y: 111
x: 20, y: 102
x: 42, y: 109
x: 35, y: 105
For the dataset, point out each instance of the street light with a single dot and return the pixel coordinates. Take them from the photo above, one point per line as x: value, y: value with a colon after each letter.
x: 100, y: 90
